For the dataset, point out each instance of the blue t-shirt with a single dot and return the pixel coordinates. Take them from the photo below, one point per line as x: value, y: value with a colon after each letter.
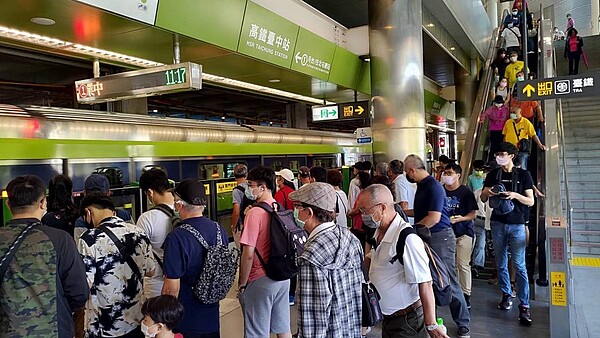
x: 184, y: 258
x: 431, y: 196
x: 461, y: 202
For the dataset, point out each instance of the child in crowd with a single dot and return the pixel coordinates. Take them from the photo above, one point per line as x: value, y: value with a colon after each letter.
x: 161, y: 314
x: 475, y: 180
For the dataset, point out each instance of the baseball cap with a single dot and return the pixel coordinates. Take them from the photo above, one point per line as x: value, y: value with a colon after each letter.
x: 287, y: 174
x: 97, y: 182
x: 303, y: 171
x: 318, y: 194
x: 191, y: 191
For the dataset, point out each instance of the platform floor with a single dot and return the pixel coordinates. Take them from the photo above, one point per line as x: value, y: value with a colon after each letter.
x: 486, y: 320
x: 586, y: 302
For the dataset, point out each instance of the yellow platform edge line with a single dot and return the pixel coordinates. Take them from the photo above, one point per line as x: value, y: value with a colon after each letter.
x: 586, y: 261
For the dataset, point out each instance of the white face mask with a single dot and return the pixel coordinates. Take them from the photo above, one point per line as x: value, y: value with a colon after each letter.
x: 449, y: 180
x: 499, y: 105
x: 513, y: 58
x: 502, y: 160
x: 145, y: 330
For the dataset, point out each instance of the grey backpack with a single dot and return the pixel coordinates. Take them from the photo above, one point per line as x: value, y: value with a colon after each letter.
x: 218, y: 271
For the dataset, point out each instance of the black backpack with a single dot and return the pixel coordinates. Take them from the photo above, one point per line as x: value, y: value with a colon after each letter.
x: 287, y: 243
x: 175, y: 220
x: 246, y: 202
x: 440, y: 276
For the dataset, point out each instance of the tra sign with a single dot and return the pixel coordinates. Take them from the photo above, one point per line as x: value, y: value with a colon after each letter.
x: 563, y: 87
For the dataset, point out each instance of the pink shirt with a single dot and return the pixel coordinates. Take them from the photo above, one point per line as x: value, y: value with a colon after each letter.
x: 257, y: 234
x: 497, y: 116
x: 573, y: 43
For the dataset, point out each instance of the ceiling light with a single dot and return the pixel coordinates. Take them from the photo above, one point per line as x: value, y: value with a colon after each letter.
x: 430, y: 25
x: 452, y: 48
x: 43, y: 21
x: 155, y: 111
x: 274, y: 80
x: 53, y: 43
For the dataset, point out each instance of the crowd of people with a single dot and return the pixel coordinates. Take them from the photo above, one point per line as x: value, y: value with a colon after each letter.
x: 96, y: 274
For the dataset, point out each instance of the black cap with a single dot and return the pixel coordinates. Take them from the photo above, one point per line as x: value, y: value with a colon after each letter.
x: 191, y: 191
x: 498, y: 99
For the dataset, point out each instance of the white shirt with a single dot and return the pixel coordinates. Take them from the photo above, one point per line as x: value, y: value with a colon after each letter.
x: 405, y: 192
x: 510, y: 39
x: 353, y: 192
x: 484, y: 208
x: 157, y: 226
x: 398, y: 284
x: 320, y: 228
x: 342, y: 204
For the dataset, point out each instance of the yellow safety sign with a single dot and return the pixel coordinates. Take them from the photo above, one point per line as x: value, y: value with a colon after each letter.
x: 207, y: 189
x: 559, y: 288
x: 226, y: 187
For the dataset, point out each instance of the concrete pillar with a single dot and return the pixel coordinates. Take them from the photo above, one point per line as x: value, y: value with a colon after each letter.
x: 492, y: 12
x: 296, y: 115
x: 396, y: 46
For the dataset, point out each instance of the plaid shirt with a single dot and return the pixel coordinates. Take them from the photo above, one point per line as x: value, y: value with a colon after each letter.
x: 329, y: 284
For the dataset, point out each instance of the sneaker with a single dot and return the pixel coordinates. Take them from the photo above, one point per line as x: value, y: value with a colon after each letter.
x: 468, y: 301
x: 475, y: 271
x: 463, y: 332
x: 292, y: 300
x: 505, y: 303
x: 524, y: 315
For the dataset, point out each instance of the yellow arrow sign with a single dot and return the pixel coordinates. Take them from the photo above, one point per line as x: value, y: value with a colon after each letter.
x: 528, y: 89
x: 360, y: 110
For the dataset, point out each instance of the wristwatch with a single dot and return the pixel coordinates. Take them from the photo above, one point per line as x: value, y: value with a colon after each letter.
x: 432, y: 327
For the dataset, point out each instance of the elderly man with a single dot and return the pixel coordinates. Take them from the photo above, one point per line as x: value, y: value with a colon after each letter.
x: 329, y: 282
x: 407, y: 300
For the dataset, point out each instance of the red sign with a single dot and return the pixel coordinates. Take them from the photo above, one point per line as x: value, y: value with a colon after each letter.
x: 92, y: 89
x: 557, y: 250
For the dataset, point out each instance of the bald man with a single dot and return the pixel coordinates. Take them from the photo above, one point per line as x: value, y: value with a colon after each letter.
x: 407, y: 300
x: 432, y: 211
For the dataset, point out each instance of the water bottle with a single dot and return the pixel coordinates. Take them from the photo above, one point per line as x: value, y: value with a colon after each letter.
x: 440, y: 322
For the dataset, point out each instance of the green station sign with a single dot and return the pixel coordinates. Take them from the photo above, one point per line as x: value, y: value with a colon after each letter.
x: 313, y: 55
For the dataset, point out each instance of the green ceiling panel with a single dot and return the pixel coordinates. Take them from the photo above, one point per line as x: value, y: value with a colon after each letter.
x: 313, y: 55
x: 345, y: 69
x: 216, y: 22
x: 267, y: 36
x: 364, y: 81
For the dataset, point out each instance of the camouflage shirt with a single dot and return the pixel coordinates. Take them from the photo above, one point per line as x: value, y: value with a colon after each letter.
x: 44, y: 283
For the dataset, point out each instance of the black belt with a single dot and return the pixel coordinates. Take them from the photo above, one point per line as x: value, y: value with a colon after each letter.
x: 401, y: 313
x: 481, y: 218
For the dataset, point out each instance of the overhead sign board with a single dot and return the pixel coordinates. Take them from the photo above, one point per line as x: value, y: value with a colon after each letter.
x: 325, y: 113
x: 564, y: 87
x: 364, y: 135
x: 354, y: 110
x: 313, y: 55
x: 140, y: 83
x: 142, y: 10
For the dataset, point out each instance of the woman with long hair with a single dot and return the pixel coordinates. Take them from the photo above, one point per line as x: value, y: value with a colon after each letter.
x: 573, y: 50
x: 62, y: 212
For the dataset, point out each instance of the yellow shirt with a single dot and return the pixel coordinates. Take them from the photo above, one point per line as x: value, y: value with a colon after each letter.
x: 511, y: 72
x: 524, y: 128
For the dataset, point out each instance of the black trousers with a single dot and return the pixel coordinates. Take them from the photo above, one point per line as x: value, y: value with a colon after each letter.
x: 574, y: 62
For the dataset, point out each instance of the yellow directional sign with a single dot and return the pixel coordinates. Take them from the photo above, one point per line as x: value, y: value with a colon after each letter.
x: 360, y: 110
x: 226, y: 187
x: 354, y: 110
x: 528, y: 89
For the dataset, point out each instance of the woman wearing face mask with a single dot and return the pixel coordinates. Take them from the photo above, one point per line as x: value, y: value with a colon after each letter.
x: 499, y: 64
x: 285, y: 185
x: 463, y: 208
x: 502, y: 89
x: 498, y: 115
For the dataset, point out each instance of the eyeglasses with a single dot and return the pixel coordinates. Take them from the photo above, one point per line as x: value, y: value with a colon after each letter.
x: 366, y: 211
x: 298, y: 206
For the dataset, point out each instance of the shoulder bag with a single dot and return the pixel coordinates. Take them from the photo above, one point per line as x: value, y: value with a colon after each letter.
x: 12, y: 250
x: 124, y: 251
x: 524, y: 145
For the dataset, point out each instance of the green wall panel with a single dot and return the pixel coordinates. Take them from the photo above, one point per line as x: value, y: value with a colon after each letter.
x: 217, y: 22
x: 313, y: 55
x: 345, y: 69
x: 22, y: 149
x: 267, y: 36
x: 364, y: 80
x: 433, y: 102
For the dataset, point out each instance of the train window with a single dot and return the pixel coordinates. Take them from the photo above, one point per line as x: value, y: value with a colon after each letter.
x: 210, y: 171
x: 294, y: 165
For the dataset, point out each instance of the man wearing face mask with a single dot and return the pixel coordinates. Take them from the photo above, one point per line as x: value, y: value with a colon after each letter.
x: 513, y: 68
x: 512, y: 38
x: 509, y: 228
x: 265, y: 302
x: 529, y: 109
x: 520, y: 132
x: 497, y: 113
x: 330, y: 269
x: 115, y: 276
x: 42, y: 277
x: 185, y: 257
x: 463, y: 208
x: 407, y: 300
x: 512, y: 19
x: 432, y: 211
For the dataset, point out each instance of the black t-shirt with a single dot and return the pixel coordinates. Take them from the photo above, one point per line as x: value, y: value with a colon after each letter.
x: 461, y: 202
x: 524, y: 182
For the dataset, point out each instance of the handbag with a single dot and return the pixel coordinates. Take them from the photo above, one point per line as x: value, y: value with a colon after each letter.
x: 371, y: 311
x: 524, y: 144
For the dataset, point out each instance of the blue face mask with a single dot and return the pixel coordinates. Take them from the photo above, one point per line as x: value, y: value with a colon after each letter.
x: 368, y: 221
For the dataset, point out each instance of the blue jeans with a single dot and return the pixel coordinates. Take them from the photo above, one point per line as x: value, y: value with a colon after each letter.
x: 523, y: 159
x: 478, y: 256
x: 513, y: 234
x: 444, y: 244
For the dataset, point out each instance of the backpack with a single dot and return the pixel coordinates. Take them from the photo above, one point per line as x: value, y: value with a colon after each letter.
x: 175, y: 220
x: 287, y: 243
x: 440, y: 276
x: 218, y: 271
x: 246, y: 202
x: 500, y: 205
